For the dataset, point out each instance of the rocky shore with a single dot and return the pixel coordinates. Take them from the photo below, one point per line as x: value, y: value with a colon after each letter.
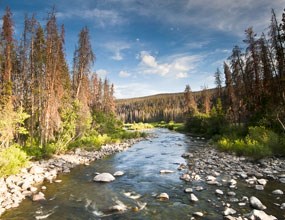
x: 224, y: 176
x: 29, y: 182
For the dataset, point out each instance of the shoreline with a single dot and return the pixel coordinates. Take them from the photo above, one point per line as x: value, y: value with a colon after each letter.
x: 28, y: 183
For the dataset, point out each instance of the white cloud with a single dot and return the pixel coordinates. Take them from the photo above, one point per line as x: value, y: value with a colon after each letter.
x: 181, y: 75
x: 100, y: 16
x: 116, y: 49
x: 179, y: 65
x: 124, y: 74
x: 148, y: 59
x: 102, y: 73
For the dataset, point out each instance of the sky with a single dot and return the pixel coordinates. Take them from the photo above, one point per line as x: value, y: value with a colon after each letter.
x: 147, y: 47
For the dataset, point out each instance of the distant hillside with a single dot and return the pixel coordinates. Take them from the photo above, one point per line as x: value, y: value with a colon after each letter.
x: 160, y: 107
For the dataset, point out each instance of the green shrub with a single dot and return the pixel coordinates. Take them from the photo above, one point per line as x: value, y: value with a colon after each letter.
x: 12, y: 159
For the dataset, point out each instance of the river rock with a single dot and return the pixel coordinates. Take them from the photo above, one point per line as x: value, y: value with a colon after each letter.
x: 187, y: 155
x: 260, y: 215
x: 231, y: 193
x: 36, y: 170
x: 104, y: 177
x: 38, y: 197
x: 199, y: 188
x: 282, y: 180
x: 259, y: 187
x: 119, y: 173
x: 219, y: 192
x: 163, y: 196
x: 193, y: 198
x: 120, y: 207
x: 277, y: 192
x: 282, y: 206
x: 229, y: 211
x: 188, y: 190
x: 198, y: 214
x: 185, y: 176
x: 166, y: 171
x: 256, y: 203
x: 262, y: 182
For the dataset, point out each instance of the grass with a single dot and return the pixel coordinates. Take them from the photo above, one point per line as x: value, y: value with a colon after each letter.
x: 170, y: 125
x: 138, y: 126
x: 258, y: 143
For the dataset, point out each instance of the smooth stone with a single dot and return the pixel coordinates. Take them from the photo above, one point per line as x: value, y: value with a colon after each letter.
x: 231, y: 193
x: 58, y: 181
x: 259, y: 187
x: 258, y: 214
x: 166, y: 171
x: 234, y: 200
x: 38, y: 197
x: 185, y: 177
x: 36, y: 170
x: 188, y: 190
x: 282, y: 206
x: 193, y: 198
x: 277, y: 192
x: 198, y: 214
x: 219, y: 192
x: 104, y: 177
x: 119, y: 173
x: 120, y: 207
x: 210, y: 178
x: 229, y: 211
x: 262, y: 182
x: 256, y: 203
x: 282, y: 180
x: 44, y: 188
x: 199, y: 188
x: 242, y: 204
x: 163, y: 196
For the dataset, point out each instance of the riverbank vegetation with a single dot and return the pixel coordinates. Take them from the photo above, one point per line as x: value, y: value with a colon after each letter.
x: 247, y: 115
x: 45, y: 107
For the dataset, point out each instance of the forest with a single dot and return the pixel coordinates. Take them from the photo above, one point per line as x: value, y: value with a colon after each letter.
x: 245, y: 113
x: 45, y: 107
x: 156, y: 108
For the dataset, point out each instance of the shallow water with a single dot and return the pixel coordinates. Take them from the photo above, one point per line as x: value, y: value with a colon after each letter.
x: 78, y: 197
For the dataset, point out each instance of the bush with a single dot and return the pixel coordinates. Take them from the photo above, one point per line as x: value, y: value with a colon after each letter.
x: 258, y: 143
x: 12, y: 159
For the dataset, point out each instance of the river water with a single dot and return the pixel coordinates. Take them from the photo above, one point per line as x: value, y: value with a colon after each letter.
x: 78, y: 197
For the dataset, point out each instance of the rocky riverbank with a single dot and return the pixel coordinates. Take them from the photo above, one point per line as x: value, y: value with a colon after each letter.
x: 224, y: 176
x: 29, y: 182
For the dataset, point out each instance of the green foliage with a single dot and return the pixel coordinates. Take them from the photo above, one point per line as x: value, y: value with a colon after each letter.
x: 258, y: 143
x: 91, y: 142
x: 170, y: 125
x: 11, y: 124
x: 12, y: 160
x: 138, y: 126
x: 67, y: 130
x: 106, y: 123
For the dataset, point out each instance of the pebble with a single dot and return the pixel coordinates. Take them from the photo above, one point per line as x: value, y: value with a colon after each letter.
x: 259, y: 187
x: 166, y: 171
x: 163, y: 196
x: 231, y: 193
x: 259, y: 214
x: 277, y: 192
x: 188, y: 190
x: 282, y: 206
x: 219, y: 192
x: 198, y: 214
x: 229, y: 211
x: 193, y: 198
x: 118, y: 173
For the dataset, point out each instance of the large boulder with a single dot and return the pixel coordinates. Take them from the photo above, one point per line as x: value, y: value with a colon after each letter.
x: 104, y: 177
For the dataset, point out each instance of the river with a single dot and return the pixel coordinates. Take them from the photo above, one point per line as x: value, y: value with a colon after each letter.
x: 79, y: 197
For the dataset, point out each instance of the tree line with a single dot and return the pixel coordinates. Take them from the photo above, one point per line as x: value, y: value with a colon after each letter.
x: 161, y: 107
x: 41, y: 99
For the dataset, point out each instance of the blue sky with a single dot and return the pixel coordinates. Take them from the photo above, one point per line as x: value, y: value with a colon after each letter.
x: 147, y: 47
